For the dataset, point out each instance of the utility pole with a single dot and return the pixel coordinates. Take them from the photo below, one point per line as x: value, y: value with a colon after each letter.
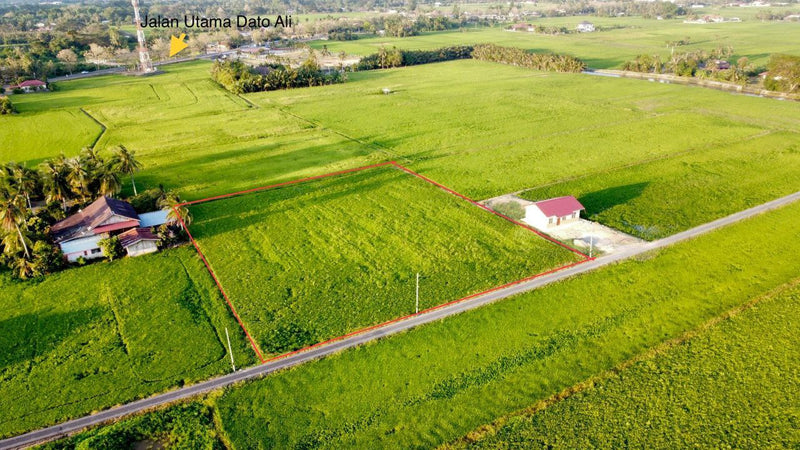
x: 417, y: 303
x: 229, y: 348
x: 591, y: 245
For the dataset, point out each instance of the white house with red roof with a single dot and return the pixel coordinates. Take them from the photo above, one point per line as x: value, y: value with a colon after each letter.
x: 553, y: 212
x: 31, y: 86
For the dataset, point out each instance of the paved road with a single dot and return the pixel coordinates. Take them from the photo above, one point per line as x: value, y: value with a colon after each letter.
x: 116, y: 412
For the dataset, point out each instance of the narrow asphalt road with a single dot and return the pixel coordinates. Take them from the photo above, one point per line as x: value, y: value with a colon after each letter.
x: 269, y: 367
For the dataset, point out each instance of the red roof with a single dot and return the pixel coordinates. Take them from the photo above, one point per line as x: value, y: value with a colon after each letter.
x: 96, y: 215
x: 561, y: 206
x: 135, y: 235
x: 32, y: 83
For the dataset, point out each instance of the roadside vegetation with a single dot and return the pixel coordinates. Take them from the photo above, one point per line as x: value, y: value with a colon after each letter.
x: 731, y: 386
x: 312, y: 261
x: 85, y: 339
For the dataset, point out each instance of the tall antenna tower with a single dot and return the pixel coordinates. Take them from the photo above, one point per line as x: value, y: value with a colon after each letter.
x: 145, y: 64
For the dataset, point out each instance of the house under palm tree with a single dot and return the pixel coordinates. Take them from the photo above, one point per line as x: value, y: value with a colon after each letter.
x: 79, y: 235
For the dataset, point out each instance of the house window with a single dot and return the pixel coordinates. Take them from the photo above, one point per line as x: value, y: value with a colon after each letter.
x: 574, y: 214
x: 96, y: 251
x: 550, y: 221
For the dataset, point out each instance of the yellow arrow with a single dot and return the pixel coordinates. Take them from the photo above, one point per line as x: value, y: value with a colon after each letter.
x: 176, y: 44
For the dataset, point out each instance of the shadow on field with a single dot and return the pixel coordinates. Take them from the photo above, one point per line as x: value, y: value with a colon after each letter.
x: 599, y: 201
x: 258, y: 208
x: 28, y: 335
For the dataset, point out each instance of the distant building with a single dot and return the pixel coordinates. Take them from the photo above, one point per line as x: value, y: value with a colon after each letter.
x: 720, y: 64
x: 31, y: 86
x: 79, y: 234
x: 585, y: 27
x: 553, y: 212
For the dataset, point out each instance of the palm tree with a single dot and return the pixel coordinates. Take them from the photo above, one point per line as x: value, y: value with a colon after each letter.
x: 22, y: 180
x: 55, y: 184
x: 78, y: 178
x: 12, y: 215
x: 24, y: 266
x: 109, y: 181
x: 125, y: 162
x: 178, y: 213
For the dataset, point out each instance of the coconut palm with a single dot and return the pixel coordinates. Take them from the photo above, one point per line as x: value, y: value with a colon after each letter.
x: 22, y: 180
x: 12, y: 215
x: 54, y: 181
x: 108, y: 181
x: 24, y: 266
x: 124, y: 161
x: 178, y: 212
x: 78, y: 178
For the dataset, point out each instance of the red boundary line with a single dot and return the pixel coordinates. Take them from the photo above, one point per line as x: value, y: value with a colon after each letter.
x: 382, y: 324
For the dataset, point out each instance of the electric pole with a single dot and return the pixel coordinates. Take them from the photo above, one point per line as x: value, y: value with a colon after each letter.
x: 229, y: 349
x: 417, y: 302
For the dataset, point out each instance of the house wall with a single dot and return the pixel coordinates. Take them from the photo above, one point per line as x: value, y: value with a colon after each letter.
x: 142, y: 248
x: 536, y: 218
x: 86, y: 247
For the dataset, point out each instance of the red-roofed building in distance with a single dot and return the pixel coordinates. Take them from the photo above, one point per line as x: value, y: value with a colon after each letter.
x: 31, y: 86
x: 553, y: 212
x: 139, y: 241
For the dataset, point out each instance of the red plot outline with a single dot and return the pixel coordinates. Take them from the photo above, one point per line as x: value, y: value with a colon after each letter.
x: 398, y: 319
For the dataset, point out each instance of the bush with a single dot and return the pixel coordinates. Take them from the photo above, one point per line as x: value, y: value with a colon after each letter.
x: 6, y: 107
x: 112, y: 248
x: 146, y: 201
x: 510, y: 209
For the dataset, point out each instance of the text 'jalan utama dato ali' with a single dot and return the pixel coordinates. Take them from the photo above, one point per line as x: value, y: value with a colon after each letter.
x: 239, y: 21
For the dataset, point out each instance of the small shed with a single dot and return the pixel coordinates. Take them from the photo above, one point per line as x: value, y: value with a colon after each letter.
x: 139, y: 241
x: 553, y: 212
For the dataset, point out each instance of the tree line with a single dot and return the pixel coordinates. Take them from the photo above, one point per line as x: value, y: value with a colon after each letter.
x: 485, y: 52
x: 519, y: 57
x: 239, y: 78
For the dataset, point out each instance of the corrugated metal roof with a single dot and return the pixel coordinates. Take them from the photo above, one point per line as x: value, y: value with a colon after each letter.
x: 153, y: 219
x: 81, y: 245
x: 561, y: 206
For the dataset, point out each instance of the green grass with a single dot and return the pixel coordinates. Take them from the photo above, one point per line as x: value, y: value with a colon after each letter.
x: 188, y: 133
x: 436, y: 383
x: 487, y: 129
x: 322, y: 258
x: 734, y: 386
x: 89, y: 338
x: 605, y: 49
x: 663, y: 197
x: 37, y: 135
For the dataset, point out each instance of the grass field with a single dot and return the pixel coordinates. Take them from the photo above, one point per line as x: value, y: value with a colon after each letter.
x: 517, y: 129
x: 89, y: 338
x: 45, y: 133
x: 189, y: 133
x: 316, y: 260
x: 736, y: 386
x: 436, y: 383
x: 608, y: 49
x: 663, y: 197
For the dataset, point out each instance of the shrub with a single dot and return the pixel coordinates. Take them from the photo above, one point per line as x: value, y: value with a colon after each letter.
x: 112, y: 248
x: 6, y: 107
x: 510, y: 209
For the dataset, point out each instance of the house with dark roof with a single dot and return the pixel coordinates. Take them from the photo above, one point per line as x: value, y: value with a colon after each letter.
x: 553, y: 212
x: 79, y: 235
